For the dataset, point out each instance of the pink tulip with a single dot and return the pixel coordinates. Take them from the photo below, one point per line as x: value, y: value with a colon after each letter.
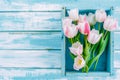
x: 79, y: 63
x: 82, y: 18
x: 76, y: 48
x: 70, y: 30
x: 91, y: 19
x: 94, y: 36
x: 84, y: 27
x: 110, y: 24
x: 100, y: 15
x: 74, y: 14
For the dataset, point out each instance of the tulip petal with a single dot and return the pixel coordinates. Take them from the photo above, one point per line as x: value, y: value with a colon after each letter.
x: 76, y: 48
x: 110, y: 24
x: 94, y: 36
x: 79, y: 63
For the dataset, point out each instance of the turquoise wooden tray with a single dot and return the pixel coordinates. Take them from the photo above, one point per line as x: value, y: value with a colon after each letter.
x: 105, y: 64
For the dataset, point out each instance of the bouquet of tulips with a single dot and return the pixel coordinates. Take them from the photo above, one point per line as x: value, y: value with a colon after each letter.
x: 95, y: 28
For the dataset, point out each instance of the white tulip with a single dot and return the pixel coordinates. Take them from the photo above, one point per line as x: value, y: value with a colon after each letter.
x: 70, y: 30
x: 110, y: 24
x: 74, y: 14
x: 77, y: 48
x: 100, y: 15
x: 91, y: 19
x: 94, y: 36
x: 82, y: 18
x: 79, y: 63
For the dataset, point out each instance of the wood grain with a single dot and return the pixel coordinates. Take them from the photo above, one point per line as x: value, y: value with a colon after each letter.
x: 28, y: 74
x: 14, y: 20
x: 31, y: 58
x: 30, y: 21
x: 116, y: 40
x: 30, y: 40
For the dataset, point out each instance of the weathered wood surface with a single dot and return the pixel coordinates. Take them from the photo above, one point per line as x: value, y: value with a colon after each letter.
x: 30, y: 40
x: 28, y: 74
x: 16, y: 5
x: 30, y: 58
x: 23, y: 15
x: 10, y: 21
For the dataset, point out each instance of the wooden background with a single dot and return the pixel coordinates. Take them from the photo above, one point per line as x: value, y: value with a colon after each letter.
x: 30, y: 40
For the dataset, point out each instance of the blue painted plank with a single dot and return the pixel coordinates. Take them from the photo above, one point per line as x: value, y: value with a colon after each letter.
x: 28, y: 74
x: 30, y: 40
x: 31, y: 58
x: 47, y: 74
x: 116, y: 14
x: 55, y: 4
x: 117, y: 59
x: 116, y: 40
x: 63, y: 44
x: 30, y: 21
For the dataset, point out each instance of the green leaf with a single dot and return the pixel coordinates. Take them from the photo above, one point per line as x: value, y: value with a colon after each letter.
x: 102, y: 47
x: 72, y: 56
x: 75, y: 22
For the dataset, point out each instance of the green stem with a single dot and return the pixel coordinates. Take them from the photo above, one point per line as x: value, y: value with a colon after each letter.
x: 90, y: 45
x: 91, y: 48
x: 72, y: 56
x: 105, y: 34
x: 102, y: 47
x: 71, y: 40
x: 92, y: 26
x: 93, y: 54
x: 78, y: 37
x: 96, y: 64
x: 86, y: 54
x: 98, y: 58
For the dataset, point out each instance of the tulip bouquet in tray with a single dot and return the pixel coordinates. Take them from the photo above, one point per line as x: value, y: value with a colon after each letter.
x: 95, y: 30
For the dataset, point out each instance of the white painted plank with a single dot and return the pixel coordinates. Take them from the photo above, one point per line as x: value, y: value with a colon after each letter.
x: 31, y: 58
x: 117, y: 59
x: 30, y: 40
x: 47, y: 74
x: 116, y: 14
x: 55, y: 4
x: 28, y: 74
x: 27, y: 5
x: 116, y: 40
x: 30, y: 21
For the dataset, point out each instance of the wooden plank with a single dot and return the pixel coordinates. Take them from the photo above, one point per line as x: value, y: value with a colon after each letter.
x: 30, y: 21
x: 117, y: 59
x: 63, y: 45
x: 55, y: 4
x: 115, y: 76
x: 15, y: 5
x: 37, y: 59
x: 28, y: 74
x: 93, y: 74
x: 30, y: 40
x: 116, y: 14
x: 47, y: 74
x: 116, y: 40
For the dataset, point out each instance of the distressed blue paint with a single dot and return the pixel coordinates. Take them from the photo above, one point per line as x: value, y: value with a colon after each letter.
x: 30, y: 21
x: 12, y: 7
x: 36, y: 4
x: 27, y: 73
x: 116, y: 41
x: 63, y: 44
x: 117, y: 59
x: 30, y: 40
x: 30, y: 58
